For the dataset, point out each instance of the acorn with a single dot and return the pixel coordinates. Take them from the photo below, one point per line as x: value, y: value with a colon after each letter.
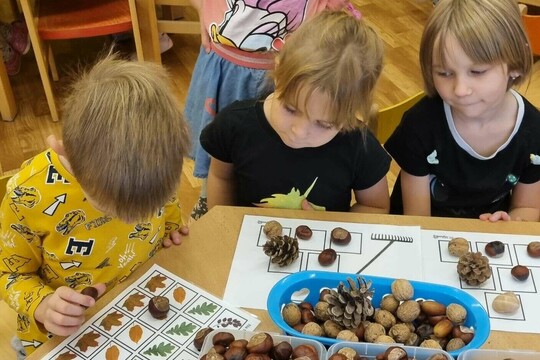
x: 158, y: 306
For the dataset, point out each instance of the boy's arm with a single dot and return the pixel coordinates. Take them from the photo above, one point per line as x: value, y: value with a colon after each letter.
x: 524, y: 205
x: 373, y: 200
x: 175, y: 227
x: 220, y: 187
x: 415, y: 192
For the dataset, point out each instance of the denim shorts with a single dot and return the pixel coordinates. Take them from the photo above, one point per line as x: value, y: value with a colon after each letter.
x: 216, y: 83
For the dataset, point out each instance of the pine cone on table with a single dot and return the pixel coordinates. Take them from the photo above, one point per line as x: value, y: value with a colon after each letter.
x: 473, y: 268
x: 283, y: 250
x: 350, y: 306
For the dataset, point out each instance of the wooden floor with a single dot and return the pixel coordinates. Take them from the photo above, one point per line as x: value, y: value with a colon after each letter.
x: 400, y: 26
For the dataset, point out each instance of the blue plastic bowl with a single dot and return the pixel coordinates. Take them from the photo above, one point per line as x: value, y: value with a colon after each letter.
x: 313, y: 281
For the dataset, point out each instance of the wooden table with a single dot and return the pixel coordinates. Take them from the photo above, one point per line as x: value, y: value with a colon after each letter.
x: 530, y: 2
x: 206, y: 256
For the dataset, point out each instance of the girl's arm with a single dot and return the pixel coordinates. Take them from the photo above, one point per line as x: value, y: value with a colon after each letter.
x: 220, y: 187
x: 415, y: 193
x: 524, y: 205
x: 373, y: 200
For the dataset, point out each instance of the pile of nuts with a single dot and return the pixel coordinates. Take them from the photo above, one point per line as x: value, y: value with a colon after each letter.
x: 259, y: 347
x: 391, y: 353
x: 399, y: 319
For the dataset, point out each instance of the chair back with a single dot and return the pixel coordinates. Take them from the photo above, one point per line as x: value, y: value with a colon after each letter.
x: 388, y: 118
x: 532, y: 26
x: 3, y: 183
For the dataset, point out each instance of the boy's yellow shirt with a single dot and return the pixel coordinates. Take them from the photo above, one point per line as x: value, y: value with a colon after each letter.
x: 50, y: 236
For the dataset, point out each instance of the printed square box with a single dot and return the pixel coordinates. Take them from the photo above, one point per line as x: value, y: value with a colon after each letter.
x: 479, y: 354
x: 242, y: 334
x: 372, y: 350
x: 311, y: 283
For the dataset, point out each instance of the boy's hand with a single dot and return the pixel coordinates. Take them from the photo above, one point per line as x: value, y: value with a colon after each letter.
x: 62, y: 312
x: 175, y: 237
x: 497, y: 216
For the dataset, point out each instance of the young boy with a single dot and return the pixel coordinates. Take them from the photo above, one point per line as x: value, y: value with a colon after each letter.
x: 95, y: 206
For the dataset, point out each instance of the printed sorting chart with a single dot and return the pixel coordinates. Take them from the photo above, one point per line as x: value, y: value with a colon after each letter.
x: 124, y: 329
x: 373, y: 249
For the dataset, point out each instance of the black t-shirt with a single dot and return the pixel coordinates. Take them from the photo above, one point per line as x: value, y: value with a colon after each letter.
x: 264, y: 167
x: 463, y: 183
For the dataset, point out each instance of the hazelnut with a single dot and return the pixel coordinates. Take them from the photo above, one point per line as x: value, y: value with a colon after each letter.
x: 520, y: 272
x: 347, y: 335
x: 340, y: 236
x: 402, y: 289
x: 223, y: 338
x: 90, y: 291
x: 272, y: 228
x: 200, y: 336
x: 506, y: 303
x: 495, y: 249
x: 307, y: 316
x: 458, y: 246
x: 408, y: 311
x: 260, y: 343
x: 327, y: 257
x: 282, y: 351
x: 303, y: 232
x: 305, y: 305
x: 395, y: 353
x: 305, y: 350
x: 432, y: 308
x: 463, y: 332
x: 312, y: 328
x: 533, y: 249
x: 291, y: 314
x: 454, y: 344
x: 158, y: 306
x: 456, y: 313
x: 236, y: 353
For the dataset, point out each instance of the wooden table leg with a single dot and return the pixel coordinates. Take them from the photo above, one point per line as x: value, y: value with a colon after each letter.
x: 8, y: 107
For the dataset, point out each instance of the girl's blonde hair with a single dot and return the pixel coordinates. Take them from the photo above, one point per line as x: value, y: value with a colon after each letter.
x: 337, y: 55
x: 489, y: 31
x: 125, y: 137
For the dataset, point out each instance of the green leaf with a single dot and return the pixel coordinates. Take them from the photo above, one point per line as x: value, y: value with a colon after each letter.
x: 292, y: 200
x: 182, y: 329
x: 163, y: 349
x: 203, y: 309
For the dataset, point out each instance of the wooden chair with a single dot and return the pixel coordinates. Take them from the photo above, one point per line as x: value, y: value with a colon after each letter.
x: 149, y: 26
x: 71, y: 19
x: 388, y: 118
x: 8, y: 107
x: 532, y: 26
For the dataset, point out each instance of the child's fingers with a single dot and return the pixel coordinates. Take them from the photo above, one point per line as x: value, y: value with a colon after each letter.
x: 71, y: 297
x: 101, y: 288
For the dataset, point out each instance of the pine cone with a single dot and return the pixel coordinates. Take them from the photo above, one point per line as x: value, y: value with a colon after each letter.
x: 350, y: 306
x: 283, y: 250
x: 473, y: 268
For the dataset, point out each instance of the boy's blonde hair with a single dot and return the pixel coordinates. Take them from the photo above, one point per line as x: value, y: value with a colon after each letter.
x: 337, y: 55
x: 489, y: 31
x: 125, y: 137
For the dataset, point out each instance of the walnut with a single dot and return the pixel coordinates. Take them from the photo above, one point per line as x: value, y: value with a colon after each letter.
x: 384, y: 339
x: 408, y: 311
x: 321, y: 311
x: 373, y: 330
x: 431, y: 344
x: 402, y: 289
x: 347, y: 335
x: 389, y: 303
x: 331, y: 328
x: 458, y: 246
x: 272, y: 228
x: 385, y: 318
x: 454, y: 344
x: 312, y: 328
x: 400, y: 332
x: 456, y: 313
x: 291, y: 314
x: 350, y: 353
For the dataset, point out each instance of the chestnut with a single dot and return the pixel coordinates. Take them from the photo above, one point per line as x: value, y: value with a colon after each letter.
x: 282, y: 351
x: 235, y: 353
x: 533, y: 249
x: 520, y: 272
x: 395, y: 353
x: 303, y: 232
x: 307, y: 316
x: 305, y: 350
x: 340, y: 236
x: 200, y: 336
x: 463, y: 332
x: 327, y: 257
x: 223, y: 338
x: 158, y: 306
x: 90, y: 291
x: 260, y: 343
x: 495, y: 249
x: 239, y: 343
x: 337, y: 356
x: 254, y: 356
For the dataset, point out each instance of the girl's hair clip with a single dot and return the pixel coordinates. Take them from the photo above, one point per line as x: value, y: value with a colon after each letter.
x: 353, y: 11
